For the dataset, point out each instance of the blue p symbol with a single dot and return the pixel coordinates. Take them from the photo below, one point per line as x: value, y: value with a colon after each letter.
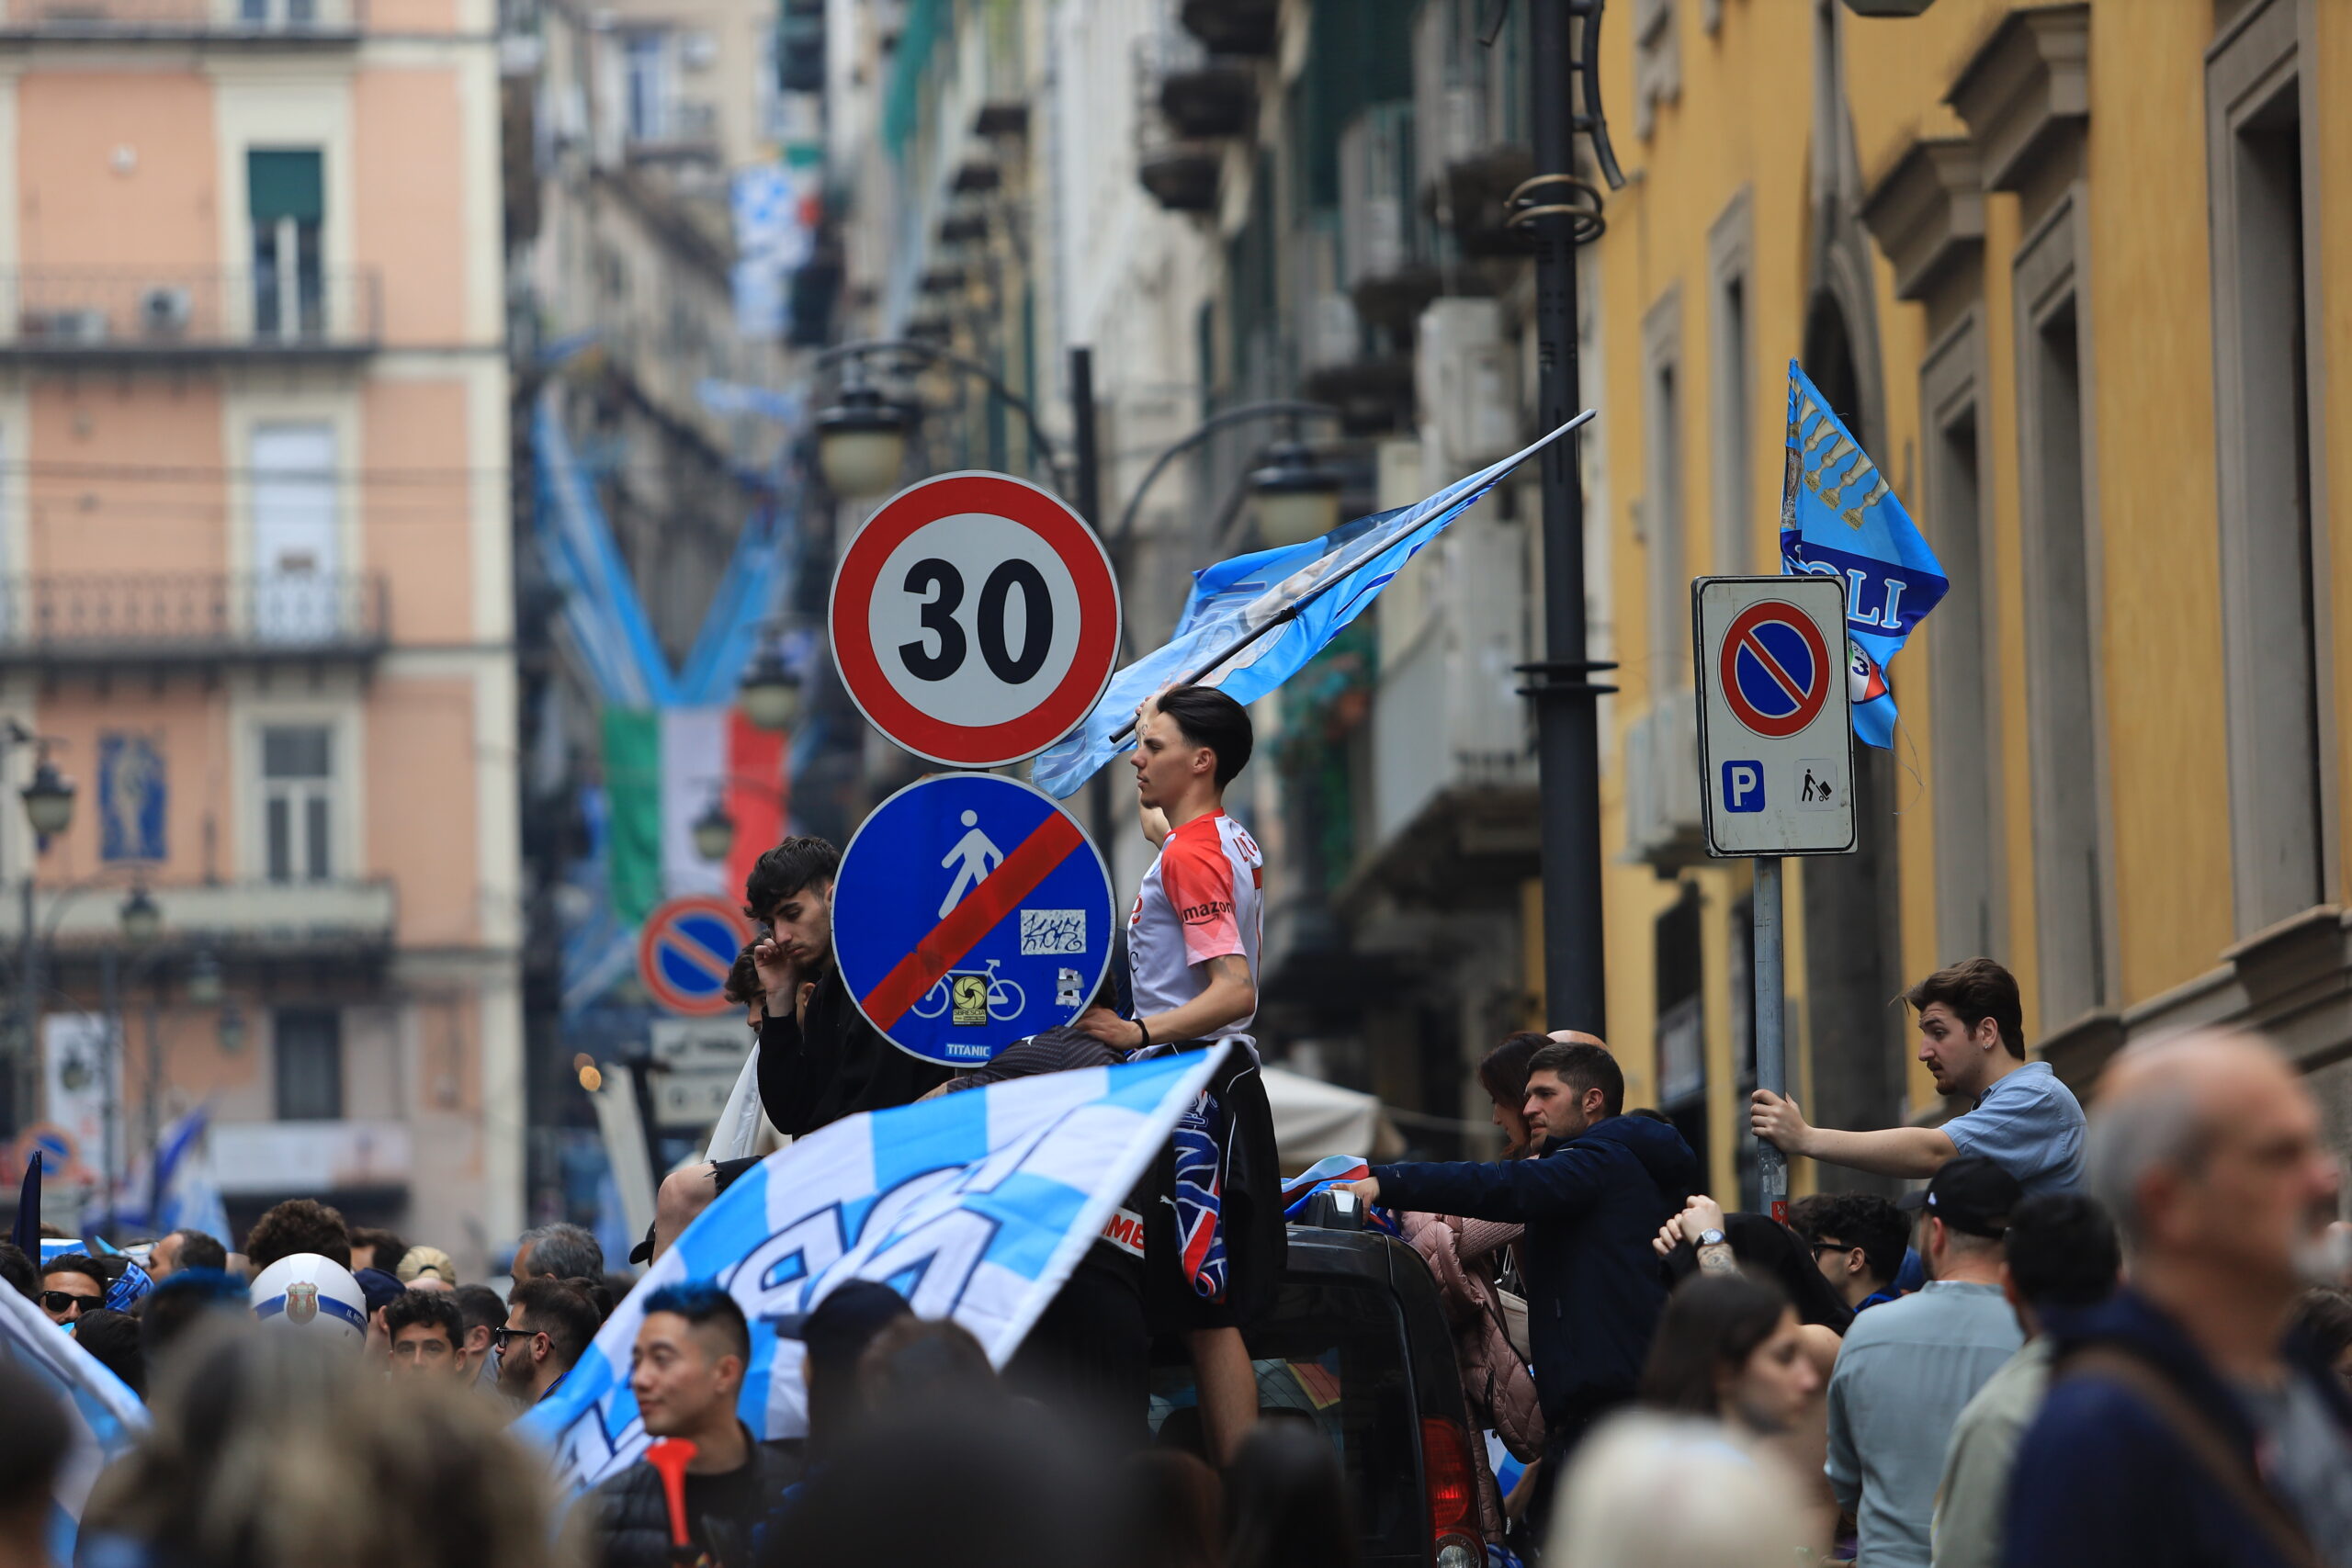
x: 1743, y: 787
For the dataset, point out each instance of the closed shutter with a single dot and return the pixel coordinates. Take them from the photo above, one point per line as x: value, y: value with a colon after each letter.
x: 285, y: 183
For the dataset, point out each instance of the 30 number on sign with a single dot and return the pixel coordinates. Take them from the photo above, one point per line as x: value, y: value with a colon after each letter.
x: 945, y: 584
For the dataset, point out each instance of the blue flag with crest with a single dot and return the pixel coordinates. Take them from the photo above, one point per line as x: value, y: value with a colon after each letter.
x: 1841, y: 518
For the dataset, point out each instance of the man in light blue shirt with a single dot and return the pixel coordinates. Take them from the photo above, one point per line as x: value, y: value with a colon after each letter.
x: 1907, y: 1370
x: 1971, y: 1038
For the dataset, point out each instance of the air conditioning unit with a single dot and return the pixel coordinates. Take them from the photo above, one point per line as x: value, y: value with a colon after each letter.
x: 165, y: 311
x: 1662, y: 822
x: 66, y: 326
x: 1467, y: 378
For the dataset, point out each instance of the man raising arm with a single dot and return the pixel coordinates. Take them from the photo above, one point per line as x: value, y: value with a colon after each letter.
x: 1971, y: 1038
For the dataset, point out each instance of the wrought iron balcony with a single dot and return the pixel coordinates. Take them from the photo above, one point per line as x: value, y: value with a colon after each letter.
x: 295, y: 23
x: 110, y: 622
x: 52, y: 313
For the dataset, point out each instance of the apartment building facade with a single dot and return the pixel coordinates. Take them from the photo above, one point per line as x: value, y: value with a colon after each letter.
x: 255, y: 581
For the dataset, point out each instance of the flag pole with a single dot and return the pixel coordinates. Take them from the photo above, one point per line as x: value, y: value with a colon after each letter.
x: 1332, y: 580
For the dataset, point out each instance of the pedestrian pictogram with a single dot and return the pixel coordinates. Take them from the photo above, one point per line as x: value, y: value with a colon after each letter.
x: 975, y: 619
x: 685, y: 950
x: 1775, y: 743
x: 970, y: 912
x: 1775, y: 669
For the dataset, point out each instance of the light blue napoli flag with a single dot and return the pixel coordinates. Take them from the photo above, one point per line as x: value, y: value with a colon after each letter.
x: 102, y: 1416
x: 1841, y: 518
x: 974, y: 1206
x: 1252, y: 622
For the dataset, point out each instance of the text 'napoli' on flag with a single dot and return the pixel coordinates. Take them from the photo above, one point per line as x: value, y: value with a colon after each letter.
x: 1841, y: 518
x: 974, y: 1206
x: 1250, y: 622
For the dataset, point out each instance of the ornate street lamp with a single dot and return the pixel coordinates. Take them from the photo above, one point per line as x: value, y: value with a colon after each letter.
x: 142, y: 922
x: 862, y: 444
x: 204, y: 984
x: 231, y: 1029
x: 49, y: 800
x: 770, y: 695
x: 1297, y: 499
x: 714, y: 831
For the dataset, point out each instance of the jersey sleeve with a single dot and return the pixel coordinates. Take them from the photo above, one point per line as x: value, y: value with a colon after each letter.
x: 1198, y: 880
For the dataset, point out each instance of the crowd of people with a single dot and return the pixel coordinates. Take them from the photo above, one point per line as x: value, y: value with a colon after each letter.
x: 2115, y: 1338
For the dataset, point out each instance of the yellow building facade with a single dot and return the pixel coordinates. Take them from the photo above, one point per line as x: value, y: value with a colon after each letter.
x: 2073, y: 275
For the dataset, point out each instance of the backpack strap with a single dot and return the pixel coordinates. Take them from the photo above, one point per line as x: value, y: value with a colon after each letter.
x: 2212, y: 1452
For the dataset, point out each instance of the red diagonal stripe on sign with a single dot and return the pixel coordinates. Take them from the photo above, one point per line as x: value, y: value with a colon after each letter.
x: 1015, y: 877
x: 1753, y: 646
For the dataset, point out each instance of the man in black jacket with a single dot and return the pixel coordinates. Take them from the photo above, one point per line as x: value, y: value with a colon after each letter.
x: 687, y: 1374
x: 1602, y: 1187
x: 819, y: 1059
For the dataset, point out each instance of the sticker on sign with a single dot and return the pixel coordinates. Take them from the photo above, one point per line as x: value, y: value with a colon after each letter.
x: 1775, y: 732
x: 975, y: 619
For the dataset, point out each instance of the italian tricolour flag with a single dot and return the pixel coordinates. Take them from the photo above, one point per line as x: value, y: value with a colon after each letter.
x: 663, y: 768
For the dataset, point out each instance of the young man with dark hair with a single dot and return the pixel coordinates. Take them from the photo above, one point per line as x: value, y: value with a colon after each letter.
x: 686, y: 1371
x: 1193, y: 941
x: 548, y: 1324
x: 427, y: 1333
x: 2061, y: 1255
x: 184, y: 1250
x: 1591, y: 1200
x: 1905, y: 1369
x: 71, y: 1284
x: 375, y: 1248
x: 819, y: 1059
x: 1858, y: 1240
x: 1971, y: 1039
x: 482, y: 1314
x: 297, y: 1225
x: 17, y: 1271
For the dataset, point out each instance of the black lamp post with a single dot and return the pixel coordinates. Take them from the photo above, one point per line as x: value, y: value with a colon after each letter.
x: 770, y: 693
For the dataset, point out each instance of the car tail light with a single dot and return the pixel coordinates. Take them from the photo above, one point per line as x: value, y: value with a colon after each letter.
x: 1453, y: 1479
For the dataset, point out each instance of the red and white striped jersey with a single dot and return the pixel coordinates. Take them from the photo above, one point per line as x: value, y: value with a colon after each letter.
x: 1200, y: 900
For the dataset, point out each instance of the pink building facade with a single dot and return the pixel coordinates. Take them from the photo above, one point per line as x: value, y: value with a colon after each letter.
x: 255, y: 583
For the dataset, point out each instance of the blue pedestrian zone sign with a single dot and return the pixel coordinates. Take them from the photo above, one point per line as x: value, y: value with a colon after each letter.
x: 970, y: 912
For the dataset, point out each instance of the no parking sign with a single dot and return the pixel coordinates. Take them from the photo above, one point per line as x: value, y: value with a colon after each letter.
x: 1775, y: 734
x: 685, y: 950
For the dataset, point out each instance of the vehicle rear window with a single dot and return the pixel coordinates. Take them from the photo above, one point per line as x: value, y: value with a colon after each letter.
x: 1332, y: 1355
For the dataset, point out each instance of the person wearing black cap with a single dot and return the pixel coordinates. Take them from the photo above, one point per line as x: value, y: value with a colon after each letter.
x: 1907, y: 1369
x: 833, y: 1338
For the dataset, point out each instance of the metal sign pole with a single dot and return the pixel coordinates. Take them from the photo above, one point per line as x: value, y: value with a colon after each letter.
x: 1771, y: 1052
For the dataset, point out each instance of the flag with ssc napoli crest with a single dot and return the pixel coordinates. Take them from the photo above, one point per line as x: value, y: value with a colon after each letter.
x: 974, y: 1206
x: 1841, y: 518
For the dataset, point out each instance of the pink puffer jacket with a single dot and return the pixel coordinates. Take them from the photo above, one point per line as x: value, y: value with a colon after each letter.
x: 1464, y: 1256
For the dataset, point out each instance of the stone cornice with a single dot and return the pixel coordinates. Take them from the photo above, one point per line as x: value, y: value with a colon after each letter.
x: 2027, y: 92
x: 1928, y: 211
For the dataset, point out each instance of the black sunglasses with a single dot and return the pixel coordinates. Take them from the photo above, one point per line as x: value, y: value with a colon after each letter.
x: 66, y: 1301
x: 499, y: 1337
x: 1821, y: 1246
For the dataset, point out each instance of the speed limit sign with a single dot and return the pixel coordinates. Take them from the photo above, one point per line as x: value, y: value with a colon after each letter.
x: 975, y: 619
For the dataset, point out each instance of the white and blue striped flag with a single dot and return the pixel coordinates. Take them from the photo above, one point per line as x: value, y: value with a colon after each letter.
x: 1252, y: 622
x: 102, y: 1416
x: 974, y: 1206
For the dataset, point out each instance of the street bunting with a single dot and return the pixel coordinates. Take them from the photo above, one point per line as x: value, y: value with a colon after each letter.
x: 970, y: 912
x: 1775, y: 734
x: 975, y: 619
x: 686, y: 949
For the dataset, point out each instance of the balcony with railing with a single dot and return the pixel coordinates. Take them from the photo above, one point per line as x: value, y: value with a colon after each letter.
x: 1188, y: 103
x: 112, y: 621
x: 278, y: 23
x: 130, y: 316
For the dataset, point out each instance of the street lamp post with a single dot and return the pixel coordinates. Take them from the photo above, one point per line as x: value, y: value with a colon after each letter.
x: 861, y: 440
x: 49, y: 811
x: 1561, y: 213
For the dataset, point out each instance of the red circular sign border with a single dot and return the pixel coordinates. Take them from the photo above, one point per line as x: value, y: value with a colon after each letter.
x: 957, y: 745
x: 1807, y: 711
x: 649, y: 973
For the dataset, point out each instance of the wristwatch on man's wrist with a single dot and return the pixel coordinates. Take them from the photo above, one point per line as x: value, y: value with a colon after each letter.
x: 1711, y: 1238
